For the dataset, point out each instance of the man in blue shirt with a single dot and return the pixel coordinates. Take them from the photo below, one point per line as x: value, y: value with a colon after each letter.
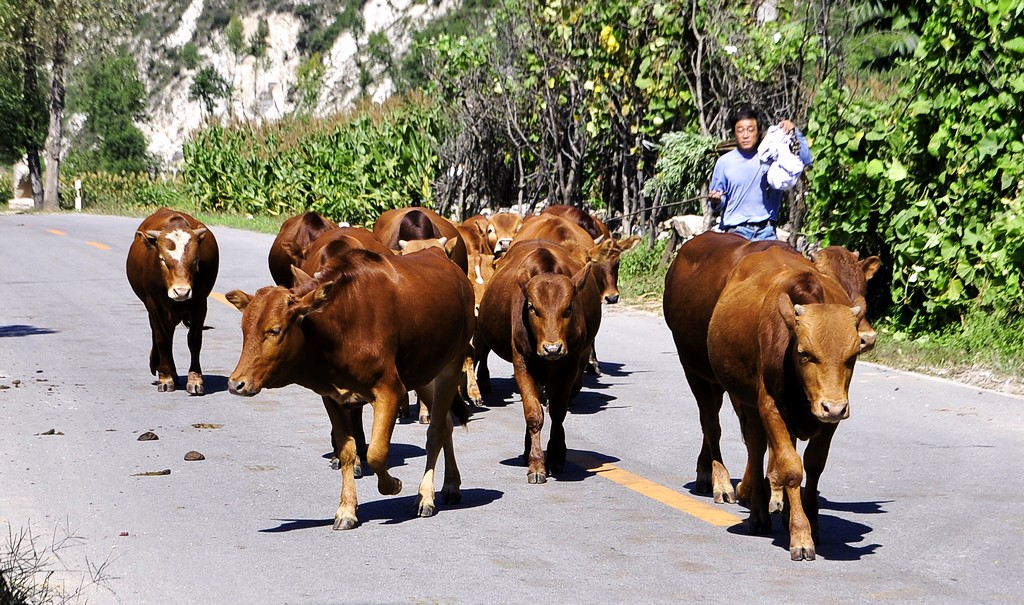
x: 739, y: 186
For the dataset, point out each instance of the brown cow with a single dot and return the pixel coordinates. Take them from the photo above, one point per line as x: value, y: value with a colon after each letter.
x: 541, y: 312
x: 172, y: 266
x: 590, y: 223
x: 474, y: 238
x: 365, y: 333
x: 853, y: 274
x: 781, y: 339
x: 318, y: 255
x: 501, y: 229
x: 414, y: 223
x: 289, y: 247
x: 606, y: 253
x: 709, y: 258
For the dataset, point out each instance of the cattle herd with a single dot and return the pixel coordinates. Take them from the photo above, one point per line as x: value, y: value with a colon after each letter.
x: 348, y: 318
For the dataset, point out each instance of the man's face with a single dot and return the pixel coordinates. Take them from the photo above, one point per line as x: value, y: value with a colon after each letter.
x: 746, y: 134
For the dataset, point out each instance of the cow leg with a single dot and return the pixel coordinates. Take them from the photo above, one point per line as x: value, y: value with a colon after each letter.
x: 593, y: 365
x: 356, y: 415
x: 472, y: 390
x: 775, y: 502
x: 760, y: 522
x: 162, y: 327
x: 424, y: 414
x: 534, y: 413
x: 483, y: 373
x: 790, y: 474
x: 712, y: 475
x: 815, y: 457
x: 341, y: 429
x: 195, y: 344
x: 385, y: 413
x: 439, y: 395
x: 558, y: 406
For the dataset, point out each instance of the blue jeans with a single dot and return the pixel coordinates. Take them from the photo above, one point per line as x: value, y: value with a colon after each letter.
x: 754, y: 232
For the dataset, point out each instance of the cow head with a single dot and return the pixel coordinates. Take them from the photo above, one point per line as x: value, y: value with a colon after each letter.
x: 272, y: 336
x: 824, y: 346
x: 550, y: 304
x: 501, y: 229
x: 481, y: 269
x: 178, y: 252
x: 853, y: 274
x: 606, y: 256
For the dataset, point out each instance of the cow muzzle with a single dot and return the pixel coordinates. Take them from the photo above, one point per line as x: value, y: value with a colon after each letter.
x: 551, y: 350
x: 180, y: 293
x: 832, y: 412
x: 241, y: 387
x: 867, y: 340
x: 501, y: 246
x: 611, y: 299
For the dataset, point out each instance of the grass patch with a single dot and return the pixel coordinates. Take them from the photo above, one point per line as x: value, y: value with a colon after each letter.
x: 642, y: 276
x: 34, y: 571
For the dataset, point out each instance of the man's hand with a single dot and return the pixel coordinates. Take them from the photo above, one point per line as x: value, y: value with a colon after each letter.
x: 715, y: 195
x: 787, y: 126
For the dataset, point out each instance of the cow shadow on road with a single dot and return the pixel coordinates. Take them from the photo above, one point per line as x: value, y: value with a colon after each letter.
x: 840, y: 539
x: 19, y: 330
x: 392, y: 511
x: 580, y: 465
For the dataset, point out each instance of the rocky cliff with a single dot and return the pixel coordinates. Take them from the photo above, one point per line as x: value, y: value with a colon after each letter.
x: 262, y: 91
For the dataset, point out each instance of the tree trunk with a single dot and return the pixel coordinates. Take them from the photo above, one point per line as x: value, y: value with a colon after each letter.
x: 35, y: 178
x: 55, y: 136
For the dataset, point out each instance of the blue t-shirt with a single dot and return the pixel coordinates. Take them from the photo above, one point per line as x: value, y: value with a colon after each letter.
x: 746, y: 196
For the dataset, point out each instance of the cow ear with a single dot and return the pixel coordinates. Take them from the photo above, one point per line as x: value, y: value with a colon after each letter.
x: 317, y: 299
x: 300, y: 278
x: 580, y: 277
x: 789, y: 311
x: 481, y: 227
x: 870, y: 266
x: 148, y: 237
x: 294, y: 252
x: 520, y: 334
x: 239, y: 299
x: 449, y: 245
x: 625, y: 245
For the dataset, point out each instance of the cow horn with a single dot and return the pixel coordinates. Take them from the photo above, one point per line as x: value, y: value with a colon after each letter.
x: 200, y: 232
x: 798, y: 310
x: 856, y: 311
x: 402, y: 244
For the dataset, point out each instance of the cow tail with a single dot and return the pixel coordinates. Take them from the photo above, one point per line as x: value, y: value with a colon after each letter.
x: 460, y: 410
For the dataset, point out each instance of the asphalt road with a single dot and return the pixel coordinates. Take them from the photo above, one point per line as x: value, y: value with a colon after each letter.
x: 922, y: 496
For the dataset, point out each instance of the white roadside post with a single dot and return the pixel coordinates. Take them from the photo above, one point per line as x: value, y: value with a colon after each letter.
x: 78, y: 195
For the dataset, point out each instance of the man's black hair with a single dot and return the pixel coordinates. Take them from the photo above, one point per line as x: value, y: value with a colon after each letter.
x: 745, y: 111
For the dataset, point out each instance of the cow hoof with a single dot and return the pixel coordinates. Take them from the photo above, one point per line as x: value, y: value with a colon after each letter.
x: 478, y: 402
x: 451, y: 495
x: 424, y: 418
x: 424, y: 509
x: 536, y: 478
x: 345, y: 523
x: 335, y: 464
x: 357, y: 470
x: 593, y: 369
x: 196, y: 389
x: 165, y: 387
x: 801, y: 553
x: 724, y: 497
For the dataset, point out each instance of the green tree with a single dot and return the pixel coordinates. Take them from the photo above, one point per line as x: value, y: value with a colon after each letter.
x: 113, y: 98
x: 209, y: 87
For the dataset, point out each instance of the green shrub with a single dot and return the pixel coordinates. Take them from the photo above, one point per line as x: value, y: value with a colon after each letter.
x: 349, y: 167
x: 641, y: 273
x: 132, y: 193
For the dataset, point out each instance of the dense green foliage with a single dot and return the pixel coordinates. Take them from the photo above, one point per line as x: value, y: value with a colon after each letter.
x: 113, y: 99
x: 930, y: 176
x: 349, y: 167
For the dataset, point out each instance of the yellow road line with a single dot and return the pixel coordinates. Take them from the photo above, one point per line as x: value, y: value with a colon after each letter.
x: 56, y: 232
x: 681, y: 502
x: 98, y: 245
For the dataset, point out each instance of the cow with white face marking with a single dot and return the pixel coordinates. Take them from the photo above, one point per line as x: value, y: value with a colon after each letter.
x: 172, y: 266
